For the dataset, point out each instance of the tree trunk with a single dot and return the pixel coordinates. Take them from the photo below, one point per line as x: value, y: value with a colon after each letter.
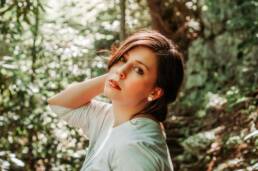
x: 122, y: 20
x: 172, y: 21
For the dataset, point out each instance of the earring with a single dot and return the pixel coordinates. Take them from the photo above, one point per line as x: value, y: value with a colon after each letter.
x: 150, y: 98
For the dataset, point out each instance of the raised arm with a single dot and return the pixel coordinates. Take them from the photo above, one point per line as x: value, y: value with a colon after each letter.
x: 78, y: 94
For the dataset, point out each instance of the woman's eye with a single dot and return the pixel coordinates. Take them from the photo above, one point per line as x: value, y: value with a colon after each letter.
x: 139, y: 70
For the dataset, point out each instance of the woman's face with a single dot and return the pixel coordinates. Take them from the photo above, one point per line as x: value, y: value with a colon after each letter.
x: 135, y: 74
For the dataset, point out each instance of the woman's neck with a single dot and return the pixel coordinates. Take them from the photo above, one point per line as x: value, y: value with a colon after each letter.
x: 124, y: 113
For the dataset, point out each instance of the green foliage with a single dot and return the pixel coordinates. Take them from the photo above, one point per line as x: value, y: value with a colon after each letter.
x: 194, y: 144
x: 222, y: 58
x: 221, y: 88
x: 35, y: 64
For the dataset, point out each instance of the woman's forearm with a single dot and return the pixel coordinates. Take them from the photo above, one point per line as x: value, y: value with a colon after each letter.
x: 80, y: 93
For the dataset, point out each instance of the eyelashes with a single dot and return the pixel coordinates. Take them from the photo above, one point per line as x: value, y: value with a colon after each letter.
x: 138, y: 70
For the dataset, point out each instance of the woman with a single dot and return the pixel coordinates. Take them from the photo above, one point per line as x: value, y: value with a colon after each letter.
x: 144, y: 75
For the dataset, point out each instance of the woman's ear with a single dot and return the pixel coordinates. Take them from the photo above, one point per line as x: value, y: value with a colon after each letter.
x: 156, y: 93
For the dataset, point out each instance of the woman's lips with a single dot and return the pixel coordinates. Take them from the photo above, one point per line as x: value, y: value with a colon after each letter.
x: 114, y: 84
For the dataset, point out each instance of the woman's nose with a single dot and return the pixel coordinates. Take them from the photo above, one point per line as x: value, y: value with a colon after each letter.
x: 122, y: 75
x: 121, y: 72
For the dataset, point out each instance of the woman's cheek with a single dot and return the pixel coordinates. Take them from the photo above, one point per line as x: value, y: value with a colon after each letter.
x: 137, y: 86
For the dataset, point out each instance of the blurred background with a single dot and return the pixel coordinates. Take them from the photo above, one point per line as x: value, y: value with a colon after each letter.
x: 46, y: 45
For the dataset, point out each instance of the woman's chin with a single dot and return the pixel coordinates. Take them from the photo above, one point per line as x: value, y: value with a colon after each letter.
x: 109, y: 93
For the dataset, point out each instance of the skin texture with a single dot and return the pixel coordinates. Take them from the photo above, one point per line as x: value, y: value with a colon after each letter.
x: 136, y: 81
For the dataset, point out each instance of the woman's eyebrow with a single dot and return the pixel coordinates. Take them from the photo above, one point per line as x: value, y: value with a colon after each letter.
x: 138, y: 61
x: 142, y: 64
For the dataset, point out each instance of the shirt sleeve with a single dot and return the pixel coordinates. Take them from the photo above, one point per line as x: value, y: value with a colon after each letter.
x: 137, y: 157
x: 89, y: 117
